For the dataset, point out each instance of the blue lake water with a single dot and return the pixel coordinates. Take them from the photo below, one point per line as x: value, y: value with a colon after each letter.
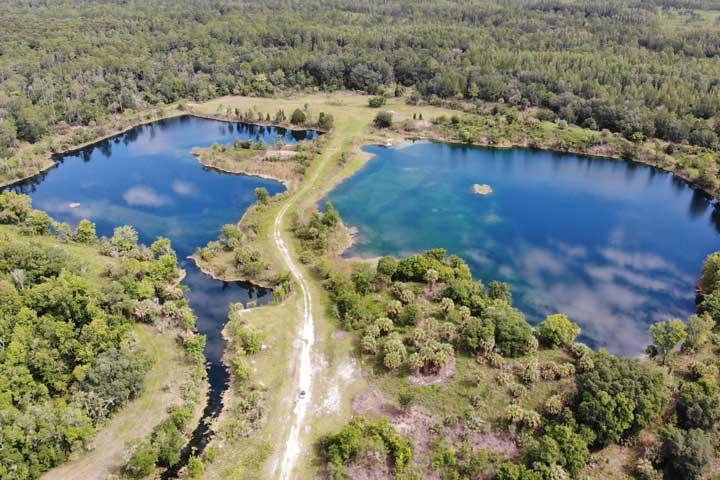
x: 613, y: 244
x: 149, y: 179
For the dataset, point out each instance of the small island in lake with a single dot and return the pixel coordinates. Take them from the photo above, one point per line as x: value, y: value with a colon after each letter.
x: 482, y: 189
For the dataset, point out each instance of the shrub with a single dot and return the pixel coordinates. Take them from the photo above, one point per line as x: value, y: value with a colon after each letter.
x: 383, y: 120
x: 557, y: 330
x: 376, y: 102
x: 410, y: 315
x: 363, y: 435
x: 298, y: 117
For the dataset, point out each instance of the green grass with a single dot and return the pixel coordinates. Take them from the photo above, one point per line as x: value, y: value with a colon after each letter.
x: 242, y: 457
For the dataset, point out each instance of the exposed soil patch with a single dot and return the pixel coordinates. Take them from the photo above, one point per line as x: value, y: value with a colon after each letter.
x: 341, y: 334
x: 418, y: 425
x: 371, y: 466
x: 423, y: 429
x: 603, y: 150
x: 279, y: 154
x: 372, y: 401
x: 498, y: 443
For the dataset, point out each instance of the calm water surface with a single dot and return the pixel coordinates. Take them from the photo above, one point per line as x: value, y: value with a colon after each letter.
x: 615, y: 245
x: 148, y: 178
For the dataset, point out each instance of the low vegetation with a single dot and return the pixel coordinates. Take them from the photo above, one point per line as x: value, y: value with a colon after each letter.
x: 283, y: 162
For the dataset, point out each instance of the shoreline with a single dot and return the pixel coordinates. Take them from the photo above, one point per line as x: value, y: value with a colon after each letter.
x: 286, y: 183
x: 572, y: 151
x: 50, y: 161
x: 214, y: 276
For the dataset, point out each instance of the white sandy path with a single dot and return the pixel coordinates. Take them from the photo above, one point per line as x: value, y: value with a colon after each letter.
x: 302, y: 356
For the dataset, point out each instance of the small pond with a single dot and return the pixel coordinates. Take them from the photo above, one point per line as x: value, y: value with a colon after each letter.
x: 613, y: 244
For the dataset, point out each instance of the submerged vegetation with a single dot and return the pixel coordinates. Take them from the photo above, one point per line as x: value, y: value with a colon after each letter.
x: 69, y: 356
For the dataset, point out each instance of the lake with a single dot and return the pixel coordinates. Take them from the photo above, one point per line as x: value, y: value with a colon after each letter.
x: 615, y: 245
x: 148, y: 178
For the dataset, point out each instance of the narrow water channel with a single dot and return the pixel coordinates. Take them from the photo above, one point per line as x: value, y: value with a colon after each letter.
x: 148, y: 178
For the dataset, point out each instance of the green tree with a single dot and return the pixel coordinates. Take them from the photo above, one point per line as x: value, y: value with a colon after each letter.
x: 298, y: 117
x: 262, y: 195
x: 610, y: 417
x: 31, y: 122
x: 620, y: 396
x: 699, y: 328
x: 699, y: 405
x: 115, y: 378
x: 513, y: 333
x: 38, y: 223
x: 686, y: 453
x: 8, y: 137
x: 710, y: 279
x: 124, y: 239
x: 666, y: 336
x: 558, y: 330
x: 559, y: 445
x: 14, y: 207
x: 85, y: 232
x: 162, y: 247
x: 362, y: 277
x: 325, y: 121
x: 142, y: 461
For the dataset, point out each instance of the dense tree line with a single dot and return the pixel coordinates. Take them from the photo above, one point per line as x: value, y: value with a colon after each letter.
x: 67, y: 359
x: 640, y: 67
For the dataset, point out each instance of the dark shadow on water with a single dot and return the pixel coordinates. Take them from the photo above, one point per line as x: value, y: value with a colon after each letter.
x: 210, y: 300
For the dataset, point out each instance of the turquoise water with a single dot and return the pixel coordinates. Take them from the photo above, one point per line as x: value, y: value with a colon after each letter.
x: 615, y: 245
x: 149, y: 179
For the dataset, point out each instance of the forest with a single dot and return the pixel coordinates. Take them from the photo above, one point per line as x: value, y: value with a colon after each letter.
x: 69, y: 358
x: 644, y: 68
